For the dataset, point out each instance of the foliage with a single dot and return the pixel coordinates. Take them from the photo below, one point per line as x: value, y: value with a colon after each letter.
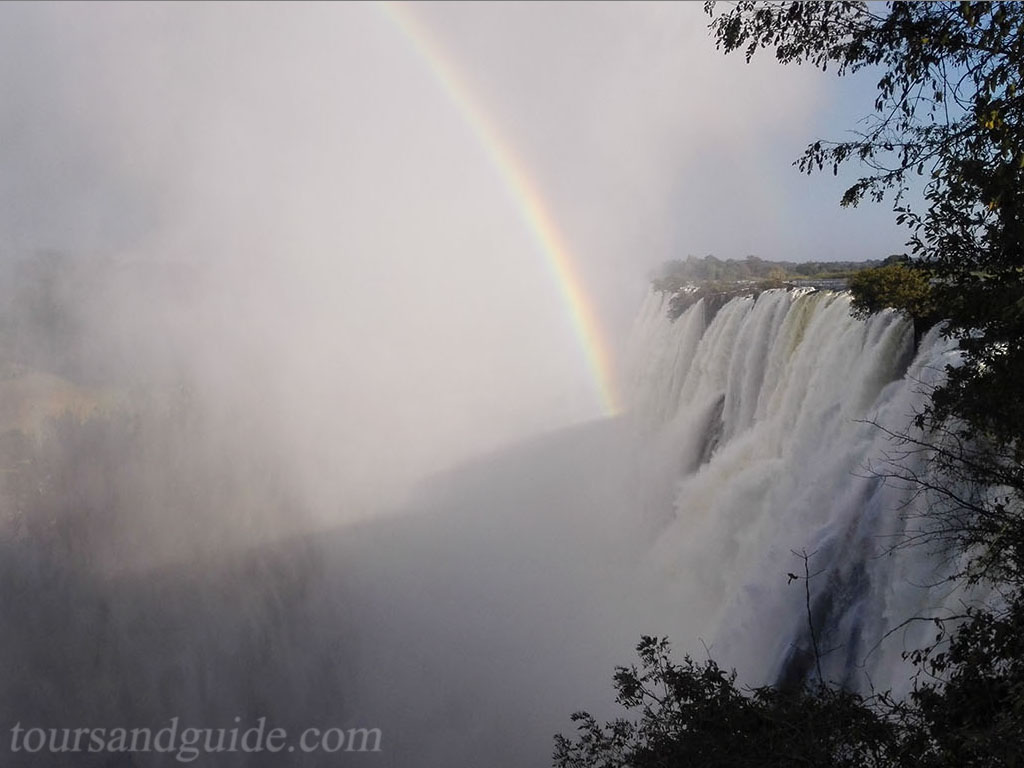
x: 949, y: 109
x: 693, y: 714
x: 975, y: 716
x: 899, y: 286
x: 950, y: 112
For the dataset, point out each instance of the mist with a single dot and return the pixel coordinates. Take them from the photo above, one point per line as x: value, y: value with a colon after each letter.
x: 348, y: 266
x: 304, y: 429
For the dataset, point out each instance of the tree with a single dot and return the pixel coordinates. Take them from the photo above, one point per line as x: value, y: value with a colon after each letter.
x: 949, y: 115
x: 898, y: 286
x: 695, y: 715
x: 950, y: 110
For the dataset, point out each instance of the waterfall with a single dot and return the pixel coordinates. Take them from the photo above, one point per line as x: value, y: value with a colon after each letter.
x: 468, y: 627
x: 759, y: 429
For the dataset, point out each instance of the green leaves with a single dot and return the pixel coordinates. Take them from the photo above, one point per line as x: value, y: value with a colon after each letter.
x: 897, y: 286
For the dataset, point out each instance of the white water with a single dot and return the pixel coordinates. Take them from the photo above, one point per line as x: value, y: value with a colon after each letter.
x: 469, y: 628
x: 758, y: 444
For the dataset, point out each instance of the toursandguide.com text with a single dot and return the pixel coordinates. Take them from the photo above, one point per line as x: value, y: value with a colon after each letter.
x: 187, y: 744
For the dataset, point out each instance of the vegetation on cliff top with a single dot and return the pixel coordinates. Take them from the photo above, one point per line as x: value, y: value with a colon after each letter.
x: 950, y: 110
x: 678, y: 273
x: 716, y: 281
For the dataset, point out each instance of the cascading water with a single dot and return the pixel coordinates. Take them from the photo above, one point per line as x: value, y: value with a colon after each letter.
x: 761, y: 425
x: 468, y: 629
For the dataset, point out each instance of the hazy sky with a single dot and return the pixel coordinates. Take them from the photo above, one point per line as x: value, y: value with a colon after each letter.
x: 367, y: 279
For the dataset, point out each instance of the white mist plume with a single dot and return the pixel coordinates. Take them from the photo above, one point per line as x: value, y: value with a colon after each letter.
x: 293, y: 258
x: 338, y: 262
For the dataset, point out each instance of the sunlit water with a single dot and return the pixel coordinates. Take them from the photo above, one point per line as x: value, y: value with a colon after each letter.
x: 470, y: 626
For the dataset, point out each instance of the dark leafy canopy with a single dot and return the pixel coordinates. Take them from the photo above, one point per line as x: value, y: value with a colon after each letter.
x: 899, y: 286
x: 694, y: 715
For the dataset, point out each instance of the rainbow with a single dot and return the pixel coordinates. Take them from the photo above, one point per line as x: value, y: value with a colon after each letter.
x: 529, y: 201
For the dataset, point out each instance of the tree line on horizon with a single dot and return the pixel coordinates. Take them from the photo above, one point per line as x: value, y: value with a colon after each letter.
x: 679, y: 272
x: 949, y: 111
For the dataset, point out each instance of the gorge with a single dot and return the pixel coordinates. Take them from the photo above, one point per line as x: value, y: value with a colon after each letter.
x: 469, y: 625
